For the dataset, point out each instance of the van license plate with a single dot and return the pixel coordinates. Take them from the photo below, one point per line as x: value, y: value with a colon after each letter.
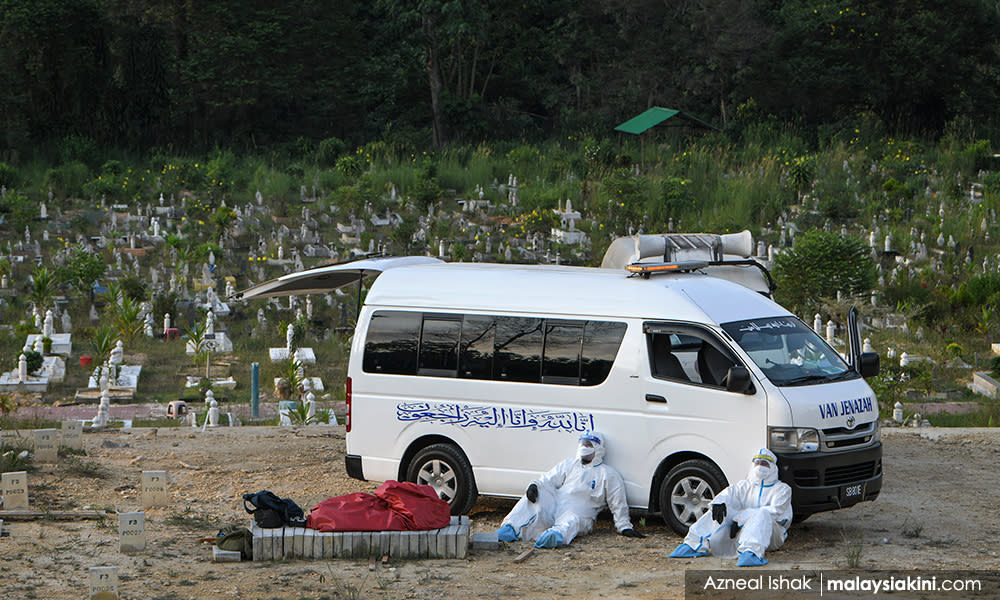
x: 852, y: 493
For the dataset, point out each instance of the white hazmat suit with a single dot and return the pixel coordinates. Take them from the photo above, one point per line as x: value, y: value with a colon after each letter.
x: 762, y: 507
x: 569, y: 498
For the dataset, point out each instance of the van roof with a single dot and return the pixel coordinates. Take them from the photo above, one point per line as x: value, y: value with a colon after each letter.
x: 576, y: 291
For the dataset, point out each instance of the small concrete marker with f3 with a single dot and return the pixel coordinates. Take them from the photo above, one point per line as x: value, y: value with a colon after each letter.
x: 103, y: 583
x: 132, y: 532
x: 15, y: 490
x: 154, y: 488
x: 47, y: 445
x: 72, y: 434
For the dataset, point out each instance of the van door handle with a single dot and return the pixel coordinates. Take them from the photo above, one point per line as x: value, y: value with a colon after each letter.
x: 655, y: 398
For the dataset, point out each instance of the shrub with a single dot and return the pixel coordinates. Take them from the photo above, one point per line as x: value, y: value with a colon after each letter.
x: 8, y: 175
x: 821, y: 264
x: 329, y: 150
x: 34, y: 360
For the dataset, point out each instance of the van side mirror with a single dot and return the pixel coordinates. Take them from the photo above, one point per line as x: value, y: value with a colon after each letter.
x: 738, y: 380
x: 869, y: 366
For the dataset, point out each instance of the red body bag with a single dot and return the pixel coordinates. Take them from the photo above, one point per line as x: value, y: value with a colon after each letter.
x: 395, y: 506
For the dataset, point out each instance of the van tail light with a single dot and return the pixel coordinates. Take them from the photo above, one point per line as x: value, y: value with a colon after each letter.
x: 347, y: 396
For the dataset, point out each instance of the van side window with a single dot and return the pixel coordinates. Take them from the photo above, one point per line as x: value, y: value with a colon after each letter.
x: 439, y: 346
x: 476, y: 349
x: 561, y: 362
x: 391, y: 346
x: 601, y: 340
x: 518, y: 352
x: 533, y: 350
x: 687, y: 354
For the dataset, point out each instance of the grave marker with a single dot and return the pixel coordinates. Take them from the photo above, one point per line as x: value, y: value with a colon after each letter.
x: 131, y: 532
x: 47, y: 445
x: 154, y: 488
x: 72, y: 434
x: 103, y: 583
x: 15, y: 490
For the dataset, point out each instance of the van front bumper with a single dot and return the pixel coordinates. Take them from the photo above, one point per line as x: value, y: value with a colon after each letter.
x: 827, y: 481
x: 352, y: 462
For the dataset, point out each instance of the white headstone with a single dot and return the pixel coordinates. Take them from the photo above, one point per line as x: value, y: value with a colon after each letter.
x: 15, y: 490
x: 72, y: 434
x: 818, y: 323
x: 22, y: 369
x: 154, y: 488
x: 103, y: 583
x: 47, y: 445
x: 289, y: 337
x: 131, y: 531
x: 213, y: 411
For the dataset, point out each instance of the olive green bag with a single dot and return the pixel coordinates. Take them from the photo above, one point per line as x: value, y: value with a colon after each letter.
x: 236, y: 538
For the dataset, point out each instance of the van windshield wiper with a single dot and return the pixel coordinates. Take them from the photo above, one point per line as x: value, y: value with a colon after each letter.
x: 805, y: 379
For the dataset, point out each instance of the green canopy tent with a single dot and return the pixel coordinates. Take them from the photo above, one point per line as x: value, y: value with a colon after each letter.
x: 639, y: 124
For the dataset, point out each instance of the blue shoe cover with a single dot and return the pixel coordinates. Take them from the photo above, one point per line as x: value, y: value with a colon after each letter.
x: 685, y: 551
x: 749, y: 559
x: 507, y: 534
x: 549, y: 539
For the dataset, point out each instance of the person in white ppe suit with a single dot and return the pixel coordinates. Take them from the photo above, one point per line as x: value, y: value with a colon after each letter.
x: 565, y: 502
x: 756, y: 512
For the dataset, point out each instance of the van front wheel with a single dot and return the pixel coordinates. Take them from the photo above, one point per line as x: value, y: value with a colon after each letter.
x: 445, y: 468
x: 687, y: 492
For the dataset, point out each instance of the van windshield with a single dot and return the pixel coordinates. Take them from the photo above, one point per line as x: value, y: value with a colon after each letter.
x: 789, y: 352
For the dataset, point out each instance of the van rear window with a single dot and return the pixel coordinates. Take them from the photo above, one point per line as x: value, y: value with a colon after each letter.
x: 391, y: 346
x: 502, y: 348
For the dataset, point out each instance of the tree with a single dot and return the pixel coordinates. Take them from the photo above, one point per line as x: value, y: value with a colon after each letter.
x: 82, y: 270
x: 821, y: 264
x: 43, y: 287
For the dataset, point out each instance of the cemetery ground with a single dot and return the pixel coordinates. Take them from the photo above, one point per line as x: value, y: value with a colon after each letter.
x: 935, y: 512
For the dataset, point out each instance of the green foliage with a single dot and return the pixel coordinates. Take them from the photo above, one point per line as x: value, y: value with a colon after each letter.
x: 820, y: 265
x: 68, y: 179
x: 20, y: 210
x: 329, y: 150
x: 133, y: 288
x: 350, y: 166
x: 102, y: 341
x: 43, y: 287
x: 8, y: 175
x: 82, y: 270
x: 34, y: 360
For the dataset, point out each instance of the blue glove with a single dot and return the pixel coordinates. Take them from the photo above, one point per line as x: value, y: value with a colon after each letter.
x: 549, y: 539
x: 506, y: 533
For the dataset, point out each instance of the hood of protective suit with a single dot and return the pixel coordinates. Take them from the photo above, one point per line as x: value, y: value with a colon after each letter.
x: 771, y: 475
x: 597, y: 440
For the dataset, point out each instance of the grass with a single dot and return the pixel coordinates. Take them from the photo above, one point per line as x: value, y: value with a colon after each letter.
x: 85, y: 468
x: 189, y: 519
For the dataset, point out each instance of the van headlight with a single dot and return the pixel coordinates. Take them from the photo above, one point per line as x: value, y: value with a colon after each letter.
x: 793, y: 439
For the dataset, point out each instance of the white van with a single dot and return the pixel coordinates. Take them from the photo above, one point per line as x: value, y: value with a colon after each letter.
x: 474, y: 378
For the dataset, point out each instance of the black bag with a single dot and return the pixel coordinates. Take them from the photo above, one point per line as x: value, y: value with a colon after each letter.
x: 270, y: 511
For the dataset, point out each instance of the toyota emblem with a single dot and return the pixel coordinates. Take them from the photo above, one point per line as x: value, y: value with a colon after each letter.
x: 850, y: 422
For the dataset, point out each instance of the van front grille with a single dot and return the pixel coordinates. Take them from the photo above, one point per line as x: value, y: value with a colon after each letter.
x: 837, y: 475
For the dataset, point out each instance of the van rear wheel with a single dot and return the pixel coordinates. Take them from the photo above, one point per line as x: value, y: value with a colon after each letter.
x: 687, y: 492
x: 445, y: 468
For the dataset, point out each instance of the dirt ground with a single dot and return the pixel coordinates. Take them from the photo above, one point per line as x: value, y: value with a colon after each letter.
x: 937, y: 510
